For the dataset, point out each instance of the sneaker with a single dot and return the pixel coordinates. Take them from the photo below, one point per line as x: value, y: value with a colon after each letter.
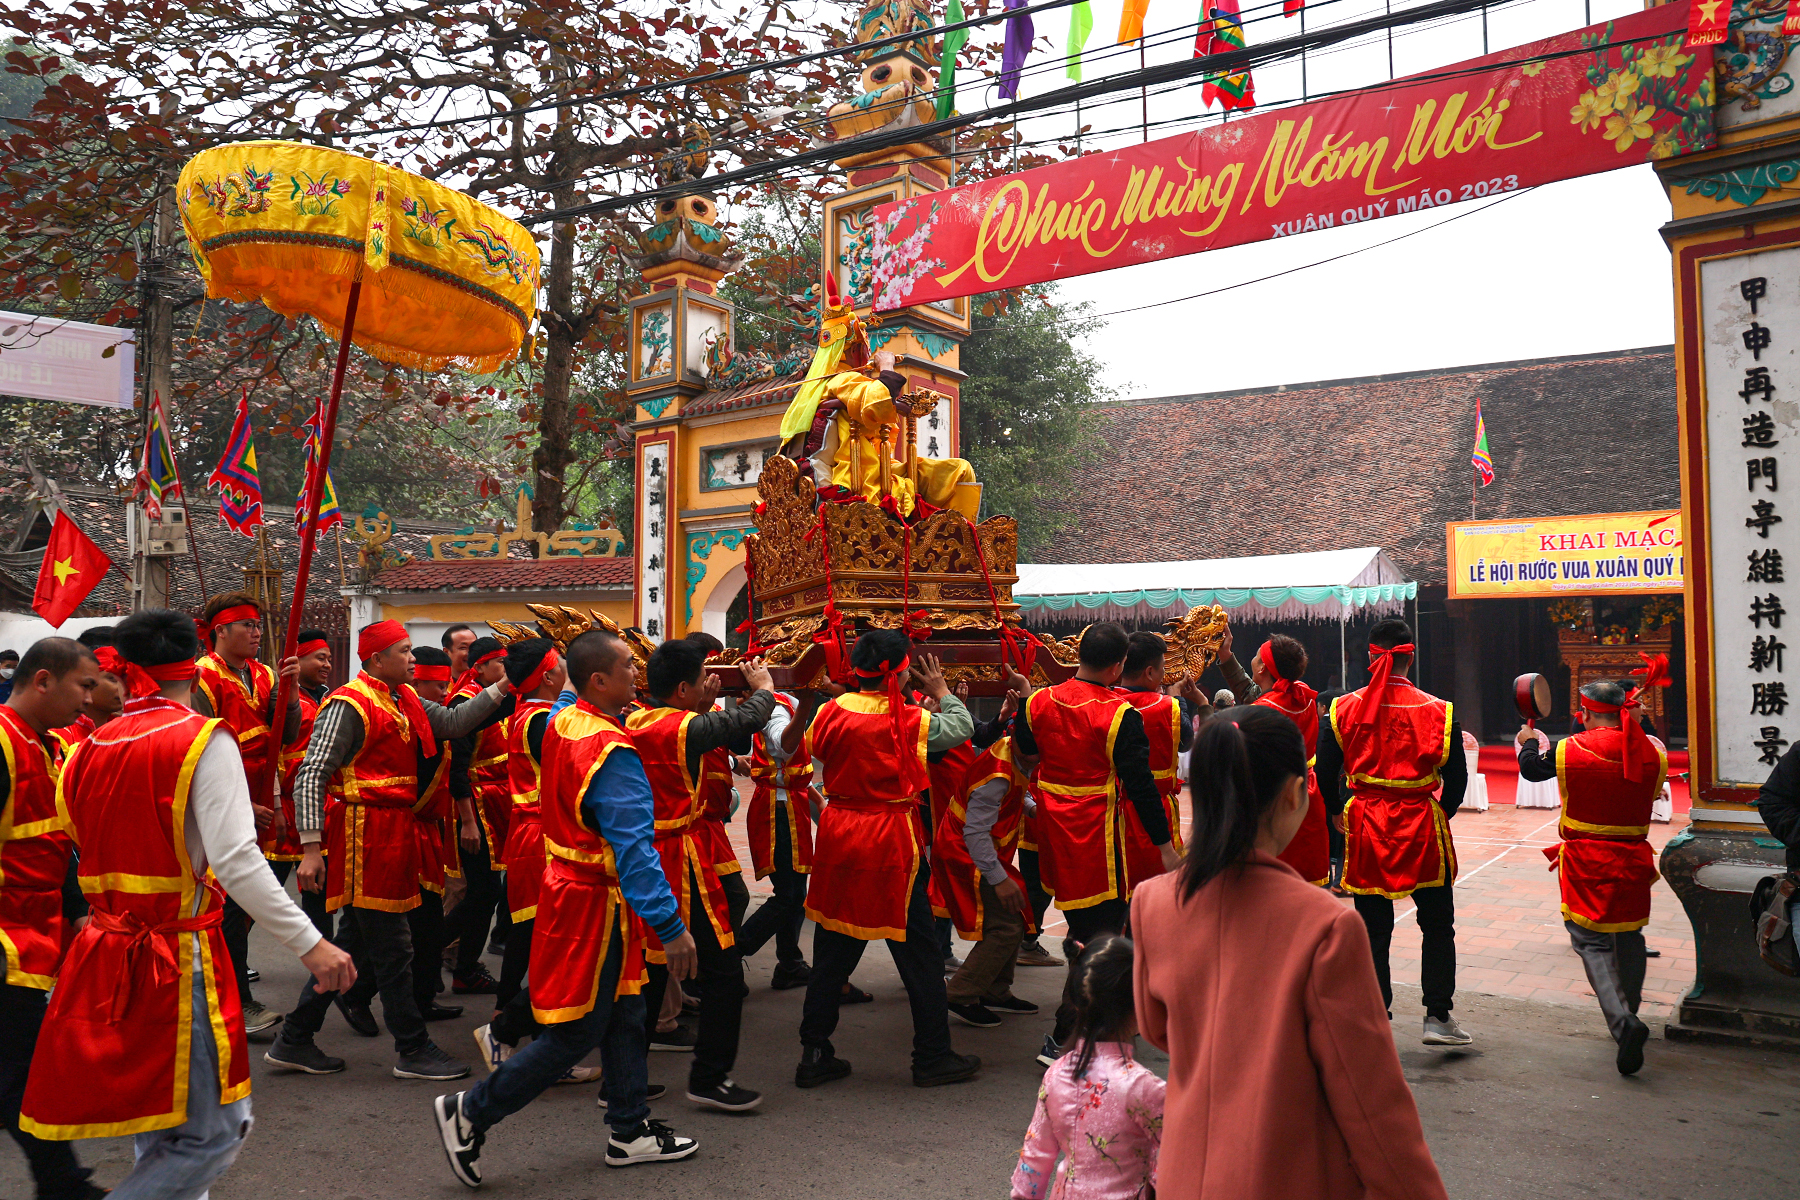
x: 952, y: 1068
x: 474, y: 982
x: 493, y: 1050
x: 681, y: 1038
x: 301, y: 1056
x: 442, y: 1012
x: 1444, y: 1031
x: 1033, y: 954
x: 253, y: 975
x: 358, y: 1017
x: 462, y: 1141
x: 257, y: 1017
x: 577, y: 1075
x: 430, y: 1062
x: 726, y: 1097
x: 652, y: 1141
x: 789, y: 975
x: 978, y: 1015
x: 1631, y: 1048
x: 819, y: 1066
x: 952, y: 964
x: 652, y: 1093
x: 1050, y: 1052
x: 1011, y: 1004
x: 497, y: 947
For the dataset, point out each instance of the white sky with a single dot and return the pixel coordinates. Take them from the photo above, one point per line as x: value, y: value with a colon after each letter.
x: 1569, y: 268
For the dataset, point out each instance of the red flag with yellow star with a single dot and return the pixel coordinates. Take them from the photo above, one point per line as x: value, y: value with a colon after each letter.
x: 73, y: 566
x: 1708, y: 22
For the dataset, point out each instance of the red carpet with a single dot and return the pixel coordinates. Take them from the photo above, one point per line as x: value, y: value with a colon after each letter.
x: 1502, y: 770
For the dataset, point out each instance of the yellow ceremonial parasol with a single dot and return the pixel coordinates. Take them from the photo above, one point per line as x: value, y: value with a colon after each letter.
x: 416, y: 274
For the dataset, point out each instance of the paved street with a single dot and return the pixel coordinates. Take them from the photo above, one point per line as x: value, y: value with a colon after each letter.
x: 1534, y: 1110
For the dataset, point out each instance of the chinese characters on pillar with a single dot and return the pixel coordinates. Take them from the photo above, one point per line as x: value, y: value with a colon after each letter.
x: 653, y: 536
x: 1752, y: 374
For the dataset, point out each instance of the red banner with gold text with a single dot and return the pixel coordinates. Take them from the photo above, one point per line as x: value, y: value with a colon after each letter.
x: 1595, y: 99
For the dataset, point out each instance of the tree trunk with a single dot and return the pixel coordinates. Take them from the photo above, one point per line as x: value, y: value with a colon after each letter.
x: 554, y: 453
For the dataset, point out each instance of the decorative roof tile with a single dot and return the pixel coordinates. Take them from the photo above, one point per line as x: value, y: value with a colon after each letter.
x: 514, y: 574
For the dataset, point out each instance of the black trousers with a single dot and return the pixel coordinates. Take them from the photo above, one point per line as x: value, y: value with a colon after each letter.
x: 1034, y: 888
x: 921, y: 967
x: 781, y: 915
x: 722, y: 991
x: 383, y: 941
x: 426, y: 925
x: 515, y: 964
x: 234, y: 927
x: 311, y: 903
x: 1437, y: 943
x: 515, y: 1020
x: 467, y: 923
x: 737, y: 898
x: 1108, y: 916
x: 54, y: 1167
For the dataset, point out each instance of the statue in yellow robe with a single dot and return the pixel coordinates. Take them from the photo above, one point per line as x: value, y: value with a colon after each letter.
x: 860, y: 442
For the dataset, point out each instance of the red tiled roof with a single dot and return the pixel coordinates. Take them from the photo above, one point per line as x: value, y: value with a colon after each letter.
x: 517, y: 574
x: 1382, y: 461
x: 755, y: 394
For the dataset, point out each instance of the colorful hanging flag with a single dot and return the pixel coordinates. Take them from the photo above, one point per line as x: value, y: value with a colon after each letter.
x: 329, y: 513
x: 240, y: 487
x: 72, y: 568
x: 1290, y: 7
x: 1131, y: 20
x: 1019, y: 36
x: 156, y: 477
x: 1221, y: 31
x: 1081, y: 23
x: 954, y: 41
x: 1709, y: 21
x: 1791, y: 25
x: 1481, y: 460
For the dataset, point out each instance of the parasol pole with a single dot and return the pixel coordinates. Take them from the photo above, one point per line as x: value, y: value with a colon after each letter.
x: 315, y: 487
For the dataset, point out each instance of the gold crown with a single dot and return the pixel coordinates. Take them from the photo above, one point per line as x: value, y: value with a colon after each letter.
x: 562, y: 625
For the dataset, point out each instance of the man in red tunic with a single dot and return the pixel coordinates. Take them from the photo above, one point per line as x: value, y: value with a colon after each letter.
x: 1169, y: 725
x: 478, y: 781
x: 365, y: 751
x: 869, y: 880
x: 599, y: 819
x: 779, y: 823
x: 676, y: 739
x: 158, y: 808
x: 1276, y: 670
x: 37, y: 910
x: 1082, y: 743
x: 313, y: 654
x: 231, y: 684
x: 1397, y: 744
x: 1609, y: 775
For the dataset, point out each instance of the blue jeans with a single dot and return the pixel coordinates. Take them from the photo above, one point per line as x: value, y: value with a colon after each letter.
x: 616, y: 1026
x: 182, y: 1163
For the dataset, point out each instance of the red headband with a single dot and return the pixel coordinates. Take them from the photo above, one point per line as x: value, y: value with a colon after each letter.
x: 1381, y: 668
x: 895, y: 697
x: 1639, y: 753
x: 237, y: 612
x: 378, y: 637
x: 431, y: 674
x: 311, y: 647
x: 142, y: 681
x: 535, y: 680
x: 468, y: 675
x: 1294, y: 693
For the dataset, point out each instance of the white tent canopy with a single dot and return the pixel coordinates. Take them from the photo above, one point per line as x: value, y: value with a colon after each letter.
x: 1328, y: 585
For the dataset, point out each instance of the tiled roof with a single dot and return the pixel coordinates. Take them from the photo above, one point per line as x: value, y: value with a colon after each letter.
x: 223, y: 553
x: 748, y: 395
x: 516, y: 574
x: 1381, y: 461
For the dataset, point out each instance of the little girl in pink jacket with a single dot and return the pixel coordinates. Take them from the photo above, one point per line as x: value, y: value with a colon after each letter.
x: 1098, y: 1111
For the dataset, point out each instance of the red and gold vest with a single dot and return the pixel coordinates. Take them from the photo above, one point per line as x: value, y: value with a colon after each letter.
x: 1413, y: 746
x: 1310, y: 850
x: 34, y: 857
x: 372, y: 844
x: 687, y: 852
x: 244, y: 713
x: 74, y: 733
x: 524, y: 773
x: 384, y: 771
x: 1598, y: 801
x: 948, y: 774
x: 489, y: 774
x: 1162, y: 728
x: 1074, y: 725
x: 794, y: 773
x: 120, y: 1010
x: 284, y: 845
x: 852, y: 736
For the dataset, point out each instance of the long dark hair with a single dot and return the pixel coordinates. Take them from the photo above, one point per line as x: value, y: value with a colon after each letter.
x: 1100, y: 986
x: 1242, y: 759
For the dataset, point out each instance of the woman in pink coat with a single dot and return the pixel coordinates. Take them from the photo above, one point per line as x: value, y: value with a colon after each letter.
x: 1283, y: 1079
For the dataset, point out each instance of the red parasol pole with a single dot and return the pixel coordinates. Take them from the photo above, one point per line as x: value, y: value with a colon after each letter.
x: 315, y: 487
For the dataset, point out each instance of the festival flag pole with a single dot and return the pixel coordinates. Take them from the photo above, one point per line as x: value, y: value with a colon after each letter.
x: 192, y: 541
x: 343, y: 578
x: 315, y: 489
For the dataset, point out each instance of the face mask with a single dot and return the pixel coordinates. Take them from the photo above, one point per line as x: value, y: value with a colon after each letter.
x: 6, y: 672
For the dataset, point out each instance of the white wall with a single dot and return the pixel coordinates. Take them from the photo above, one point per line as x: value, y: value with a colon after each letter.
x: 18, y: 630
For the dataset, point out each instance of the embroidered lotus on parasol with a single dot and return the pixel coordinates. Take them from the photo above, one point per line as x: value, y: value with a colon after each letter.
x: 446, y: 280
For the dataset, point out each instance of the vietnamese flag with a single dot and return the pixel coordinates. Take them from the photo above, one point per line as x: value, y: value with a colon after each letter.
x: 73, y: 566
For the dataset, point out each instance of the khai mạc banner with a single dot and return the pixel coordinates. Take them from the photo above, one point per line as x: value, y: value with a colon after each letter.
x: 1567, y: 556
x: 1596, y: 99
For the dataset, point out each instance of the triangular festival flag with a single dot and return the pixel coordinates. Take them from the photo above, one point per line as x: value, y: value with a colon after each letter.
x: 240, y: 487
x: 1081, y: 23
x: 1481, y: 460
x: 329, y: 513
x: 1019, y: 36
x: 73, y: 567
x: 1221, y: 30
x: 954, y: 41
x: 156, y: 477
x: 1131, y: 20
